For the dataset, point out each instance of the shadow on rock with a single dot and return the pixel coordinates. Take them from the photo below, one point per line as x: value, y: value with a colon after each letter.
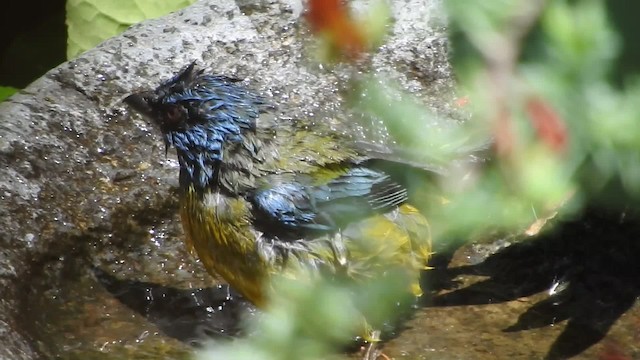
x: 589, y: 267
x: 189, y: 315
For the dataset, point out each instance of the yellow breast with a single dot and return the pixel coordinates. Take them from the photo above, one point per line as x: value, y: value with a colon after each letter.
x: 218, y: 230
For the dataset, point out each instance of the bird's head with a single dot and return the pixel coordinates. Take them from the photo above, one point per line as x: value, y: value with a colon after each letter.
x: 162, y: 105
x: 199, y: 114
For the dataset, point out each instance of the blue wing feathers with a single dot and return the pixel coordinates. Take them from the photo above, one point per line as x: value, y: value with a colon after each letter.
x: 295, y: 207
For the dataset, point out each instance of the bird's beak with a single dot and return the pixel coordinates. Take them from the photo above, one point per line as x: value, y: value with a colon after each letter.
x: 139, y: 102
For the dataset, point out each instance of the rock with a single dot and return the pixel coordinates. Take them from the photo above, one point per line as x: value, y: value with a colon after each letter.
x: 83, y: 183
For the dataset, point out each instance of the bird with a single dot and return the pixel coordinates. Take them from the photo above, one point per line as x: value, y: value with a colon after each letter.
x: 262, y: 194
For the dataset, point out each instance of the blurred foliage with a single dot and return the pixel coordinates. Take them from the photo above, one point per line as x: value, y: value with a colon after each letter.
x: 6, y: 91
x: 312, y: 318
x: 562, y: 130
x: 89, y: 22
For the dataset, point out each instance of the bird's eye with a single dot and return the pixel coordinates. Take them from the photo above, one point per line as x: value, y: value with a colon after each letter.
x: 174, y: 116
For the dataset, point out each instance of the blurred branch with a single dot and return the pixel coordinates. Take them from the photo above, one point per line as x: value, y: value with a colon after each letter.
x: 506, y: 45
x: 501, y: 55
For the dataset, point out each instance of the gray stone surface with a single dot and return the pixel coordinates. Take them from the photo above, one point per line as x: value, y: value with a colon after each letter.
x: 75, y: 167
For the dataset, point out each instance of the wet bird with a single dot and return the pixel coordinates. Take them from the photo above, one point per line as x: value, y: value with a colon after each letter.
x: 262, y: 194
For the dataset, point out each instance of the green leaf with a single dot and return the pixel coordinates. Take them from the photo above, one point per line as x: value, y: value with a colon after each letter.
x: 581, y: 38
x: 89, y: 22
x: 6, y: 91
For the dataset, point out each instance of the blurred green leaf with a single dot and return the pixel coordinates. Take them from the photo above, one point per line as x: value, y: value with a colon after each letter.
x: 376, y: 21
x: 89, y: 22
x: 580, y: 39
x: 481, y: 21
x: 6, y: 91
x: 312, y: 317
x: 425, y: 137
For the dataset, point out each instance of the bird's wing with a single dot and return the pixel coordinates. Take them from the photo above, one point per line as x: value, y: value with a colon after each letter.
x: 302, y: 206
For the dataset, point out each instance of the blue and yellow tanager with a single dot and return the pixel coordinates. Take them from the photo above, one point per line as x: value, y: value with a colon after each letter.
x: 263, y: 194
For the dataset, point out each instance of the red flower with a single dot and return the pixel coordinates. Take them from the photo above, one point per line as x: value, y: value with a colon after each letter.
x: 549, y: 126
x: 331, y: 17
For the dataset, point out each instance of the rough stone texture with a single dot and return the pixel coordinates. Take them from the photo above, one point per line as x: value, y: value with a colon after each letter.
x: 76, y: 170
